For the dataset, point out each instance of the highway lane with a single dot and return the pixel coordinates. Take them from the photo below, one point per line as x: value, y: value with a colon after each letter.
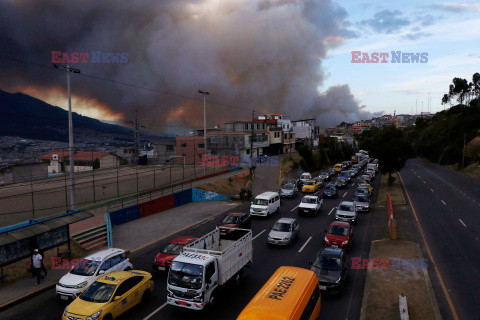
x: 266, y: 261
x: 447, y: 206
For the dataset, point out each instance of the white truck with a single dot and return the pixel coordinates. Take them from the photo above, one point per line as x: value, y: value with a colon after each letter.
x: 197, y: 275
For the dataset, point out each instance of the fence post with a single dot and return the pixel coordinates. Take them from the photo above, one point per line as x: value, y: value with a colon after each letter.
x: 108, y: 223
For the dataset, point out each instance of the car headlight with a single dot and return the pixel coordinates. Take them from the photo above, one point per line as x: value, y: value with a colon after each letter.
x: 169, y: 293
x: 95, y: 315
x: 81, y: 285
x: 345, y: 242
x: 338, y: 280
x: 326, y: 240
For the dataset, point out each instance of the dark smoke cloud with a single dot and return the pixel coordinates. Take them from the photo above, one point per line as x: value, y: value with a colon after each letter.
x: 264, y: 54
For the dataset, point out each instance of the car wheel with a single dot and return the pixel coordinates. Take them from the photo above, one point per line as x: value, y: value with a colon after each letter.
x: 108, y: 317
x: 146, y: 296
x: 213, y: 300
x: 238, y: 277
x: 128, y: 269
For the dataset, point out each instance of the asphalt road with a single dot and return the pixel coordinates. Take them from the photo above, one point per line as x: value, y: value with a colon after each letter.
x: 266, y: 260
x: 447, y: 204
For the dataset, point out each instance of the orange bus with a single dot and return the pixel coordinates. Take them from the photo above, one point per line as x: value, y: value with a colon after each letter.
x: 291, y: 293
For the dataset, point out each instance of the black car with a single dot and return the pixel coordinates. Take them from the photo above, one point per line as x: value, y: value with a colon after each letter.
x: 331, y: 267
x: 325, y: 175
x: 320, y: 182
x: 330, y: 191
x: 341, y: 183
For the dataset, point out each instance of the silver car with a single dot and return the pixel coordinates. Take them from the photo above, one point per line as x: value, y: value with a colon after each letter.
x: 346, y: 211
x: 362, y: 203
x: 284, y: 232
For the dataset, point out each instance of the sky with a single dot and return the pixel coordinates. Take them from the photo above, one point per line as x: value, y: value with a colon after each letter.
x: 292, y: 56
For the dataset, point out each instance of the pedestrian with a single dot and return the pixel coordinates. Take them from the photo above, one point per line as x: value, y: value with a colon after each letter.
x: 37, y: 263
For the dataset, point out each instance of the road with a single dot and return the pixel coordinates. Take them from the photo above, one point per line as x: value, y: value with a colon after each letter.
x: 447, y: 204
x: 266, y: 260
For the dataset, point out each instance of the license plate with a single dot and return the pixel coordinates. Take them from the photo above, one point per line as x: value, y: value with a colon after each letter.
x: 334, y: 246
x: 323, y: 288
x: 161, y: 268
x: 182, y: 303
x: 64, y: 297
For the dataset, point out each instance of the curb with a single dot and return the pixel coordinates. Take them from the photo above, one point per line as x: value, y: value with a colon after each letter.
x: 366, y: 288
x: 431, y: 293
x: 27, y: 296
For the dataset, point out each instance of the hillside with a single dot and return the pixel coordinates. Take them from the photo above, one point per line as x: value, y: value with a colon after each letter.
x: 27, y: 117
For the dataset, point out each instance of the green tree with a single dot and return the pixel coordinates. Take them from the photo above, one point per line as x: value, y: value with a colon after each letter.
x: 96, y: 164
x: 392, y: 149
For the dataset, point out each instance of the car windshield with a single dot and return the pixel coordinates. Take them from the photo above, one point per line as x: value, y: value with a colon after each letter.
x: 260, y: 202
x: 344, y: 207
x: 86, y: 267
x: 338, y: 231
x: 185, y: 275
x: 280, y: 226
x: 340, y: 180
x: 99, y: 292
x: 310, y: 183
x: 289, y: 187
x: 330, y: 188
x: 361, y: 191
x: 309, y: 200
x: 328, y: 263
x: 173, y: 249
x: 230, y: 220
x: 360, y: 199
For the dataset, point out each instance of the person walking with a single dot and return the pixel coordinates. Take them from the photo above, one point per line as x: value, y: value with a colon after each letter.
x: 37, y: 263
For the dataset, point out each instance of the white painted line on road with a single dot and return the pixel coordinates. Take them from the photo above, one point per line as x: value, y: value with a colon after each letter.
x: 444, y: 202
x: 431, y: 190
x: 259, y: 234
x: 344, y: 194
x: 305, y: 244
x: 155, y: 311
x: 424, y: 182
x: 294, y: 208
x: 331, y: 211
x: 462, y: 223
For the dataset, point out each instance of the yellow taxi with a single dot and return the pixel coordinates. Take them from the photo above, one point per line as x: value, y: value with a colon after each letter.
x: 110, y: 296
x: 310, y: 186
x: 370, y: 188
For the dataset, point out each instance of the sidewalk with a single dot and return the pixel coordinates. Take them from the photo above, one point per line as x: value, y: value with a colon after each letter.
x: 152, y: 228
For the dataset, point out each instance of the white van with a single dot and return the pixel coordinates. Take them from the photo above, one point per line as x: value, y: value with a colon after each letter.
x: 265, y: 204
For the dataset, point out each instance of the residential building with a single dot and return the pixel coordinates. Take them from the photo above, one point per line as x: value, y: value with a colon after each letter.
x: 305, y: 131
x: 59, y: 160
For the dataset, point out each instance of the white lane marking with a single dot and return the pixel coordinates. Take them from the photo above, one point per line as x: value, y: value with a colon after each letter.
x: 259, y: 234
x: 444, y: 202
x: 331, y: 211
x: 294, y: 208
x: 344, y: 194
x: 432, y: 190
x: 424, y: 182
x: 305, y: 244
x: 462, y: 223
x: 155, y: 311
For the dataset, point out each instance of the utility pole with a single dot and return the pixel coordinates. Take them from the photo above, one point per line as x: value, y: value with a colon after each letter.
x: 205, y: 94
x: 463, y: 152
x: 251, y: 153
x: 70, y: 134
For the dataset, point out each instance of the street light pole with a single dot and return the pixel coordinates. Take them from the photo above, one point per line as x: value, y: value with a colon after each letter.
x: 70, y: 134
x: 205, y: 94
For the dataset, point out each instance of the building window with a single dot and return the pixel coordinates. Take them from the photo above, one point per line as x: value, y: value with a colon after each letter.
x: 184, y: 144
x: 245, y: 126
x: 201, y: 145
x: 169, y: 147
x: 259, y: 138
x: 286, y: 136
x: 214, y: 139
x: 125, y: 150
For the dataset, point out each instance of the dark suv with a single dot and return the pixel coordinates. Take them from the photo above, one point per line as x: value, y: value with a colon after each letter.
x: 234, y: 220
x: 330, y: 191
x: 331, y: 267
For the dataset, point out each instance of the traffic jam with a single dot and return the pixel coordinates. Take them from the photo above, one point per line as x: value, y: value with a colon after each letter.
x: 197, y: 269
